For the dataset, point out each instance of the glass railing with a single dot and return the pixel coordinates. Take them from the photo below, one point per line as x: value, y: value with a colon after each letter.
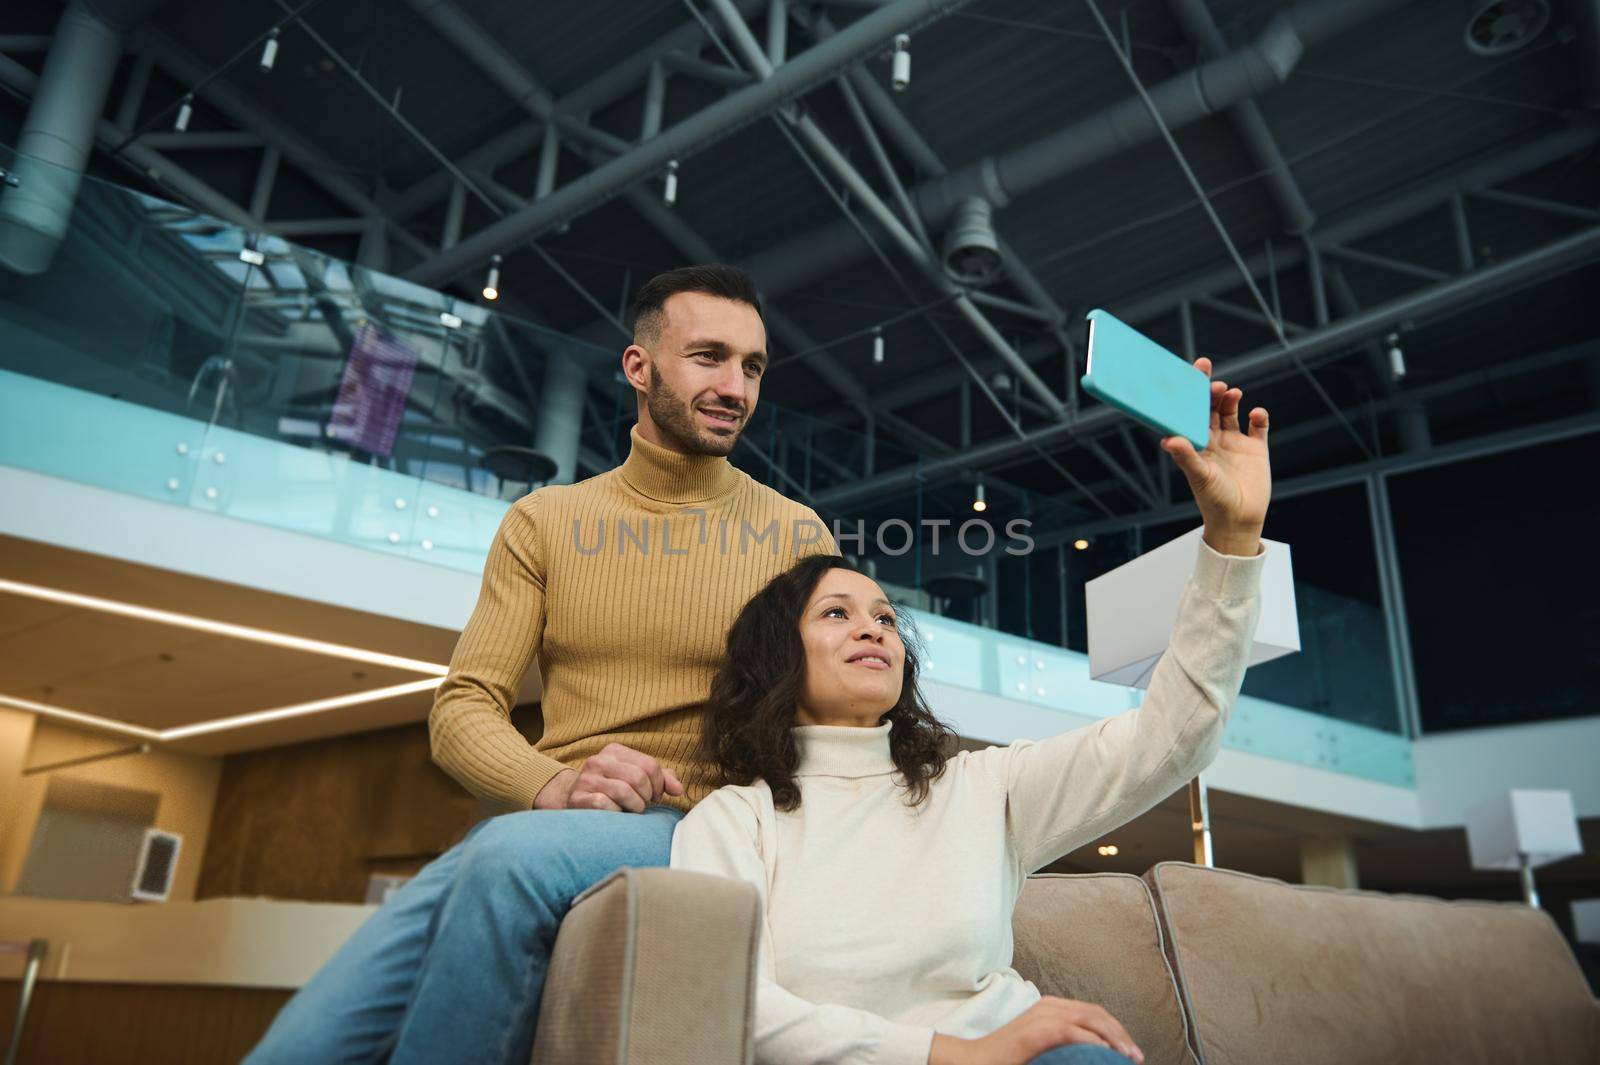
x: 172, y: 356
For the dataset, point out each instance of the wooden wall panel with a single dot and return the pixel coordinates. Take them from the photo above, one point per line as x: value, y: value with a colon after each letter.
x: 73, y: 1023
x: 314, y: 820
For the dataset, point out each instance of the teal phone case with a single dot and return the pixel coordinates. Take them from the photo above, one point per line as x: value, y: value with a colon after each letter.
x: 1146, y: 381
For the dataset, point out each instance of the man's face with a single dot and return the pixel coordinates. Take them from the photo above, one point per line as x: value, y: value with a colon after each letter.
x: 702, y: 374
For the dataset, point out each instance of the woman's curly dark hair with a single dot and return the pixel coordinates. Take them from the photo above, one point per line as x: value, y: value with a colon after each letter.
x: 745, y: 732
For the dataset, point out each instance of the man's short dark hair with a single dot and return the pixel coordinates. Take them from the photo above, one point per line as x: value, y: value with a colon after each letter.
x: 713, y: 279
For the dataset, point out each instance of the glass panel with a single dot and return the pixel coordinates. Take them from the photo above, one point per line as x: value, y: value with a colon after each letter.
x: 1343, y: 669
x: 243, y: 375
x: 1504, y: 629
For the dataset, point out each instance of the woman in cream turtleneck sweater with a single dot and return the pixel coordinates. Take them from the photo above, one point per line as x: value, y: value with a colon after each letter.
x: 888, y: 871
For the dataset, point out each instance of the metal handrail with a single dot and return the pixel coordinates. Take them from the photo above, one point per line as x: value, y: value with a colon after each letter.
x: 30, y: 974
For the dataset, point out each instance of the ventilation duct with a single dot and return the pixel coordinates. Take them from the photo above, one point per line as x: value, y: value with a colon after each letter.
x: 971, y: 253
x: 1497, y: 27
x: 59, y: 132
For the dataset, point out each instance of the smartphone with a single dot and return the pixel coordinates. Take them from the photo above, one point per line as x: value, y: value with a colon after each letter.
x: 1144, y: 380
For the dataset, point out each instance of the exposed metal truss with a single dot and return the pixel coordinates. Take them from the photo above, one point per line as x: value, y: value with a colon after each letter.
x: 908, y: 211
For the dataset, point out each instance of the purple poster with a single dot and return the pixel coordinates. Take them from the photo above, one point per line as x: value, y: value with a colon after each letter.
x: 372, y: 393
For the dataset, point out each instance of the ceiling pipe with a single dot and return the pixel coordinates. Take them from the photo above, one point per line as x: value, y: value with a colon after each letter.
x: 1446, y: 296
x: 1212, y: 87
x: 1245, y: 117
x: 148, y: 162
x: 684, y: 139
x: 59, y: 132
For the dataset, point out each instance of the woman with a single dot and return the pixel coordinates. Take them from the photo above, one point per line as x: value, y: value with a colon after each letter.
x: 889, y: 870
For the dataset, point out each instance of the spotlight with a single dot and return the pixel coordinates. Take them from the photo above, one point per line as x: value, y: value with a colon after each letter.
x: 669, y: 195
x: 491, y: 284
x: 979, y: 503
x: 1397, y: 358
x: 1081, y: 545
x: 269, y: 52
x: 449, y: 321
x: 971, y: 252
x: 900, y: 73
x: 185, y: 113
x: 877, y: 345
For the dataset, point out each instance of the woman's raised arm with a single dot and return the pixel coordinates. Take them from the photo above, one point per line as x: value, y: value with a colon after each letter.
x: 1068, y: 790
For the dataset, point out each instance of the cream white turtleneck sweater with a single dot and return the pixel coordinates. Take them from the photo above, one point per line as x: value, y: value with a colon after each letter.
x: 885, y: 924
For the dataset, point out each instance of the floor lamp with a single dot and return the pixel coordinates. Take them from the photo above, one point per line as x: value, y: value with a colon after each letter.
x: 1131, y: 611
x: 1523, y: 829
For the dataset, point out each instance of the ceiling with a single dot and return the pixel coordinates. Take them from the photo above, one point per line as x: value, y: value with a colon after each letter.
x: 1395, y: 103
x: 158, y: 676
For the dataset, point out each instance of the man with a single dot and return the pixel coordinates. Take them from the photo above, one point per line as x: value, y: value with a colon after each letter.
x: 623, y: 587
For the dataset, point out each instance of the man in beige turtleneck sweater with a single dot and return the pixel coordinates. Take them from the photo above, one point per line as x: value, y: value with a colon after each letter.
x: 622, y: 587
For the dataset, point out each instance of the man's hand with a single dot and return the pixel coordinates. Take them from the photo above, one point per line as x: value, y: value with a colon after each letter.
x: 1232, y: 478
x: 619, y: 779
x: 1050, y: 1022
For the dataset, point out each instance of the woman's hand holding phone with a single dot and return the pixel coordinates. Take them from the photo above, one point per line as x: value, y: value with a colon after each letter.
x: 1051, y: 1022
x: 1232, y: 478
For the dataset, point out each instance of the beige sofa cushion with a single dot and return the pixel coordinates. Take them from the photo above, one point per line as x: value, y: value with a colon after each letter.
x: 653, y: 967
x: 1095, y: 938
x: 1275, y: 972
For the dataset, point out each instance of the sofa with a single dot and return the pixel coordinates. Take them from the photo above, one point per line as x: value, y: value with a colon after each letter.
x: 1203, y: 967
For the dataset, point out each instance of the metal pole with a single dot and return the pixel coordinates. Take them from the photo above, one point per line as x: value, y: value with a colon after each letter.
x: 1530, y: 894
x: 266, y: 180
x: 1061, y: 585
x: 1458, y: 221
x: 1394, y: 606
x: 30, y: 975
x: 1200, y: 822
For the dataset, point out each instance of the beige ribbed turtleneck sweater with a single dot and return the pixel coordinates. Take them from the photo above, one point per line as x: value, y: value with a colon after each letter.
x: 623, y: 587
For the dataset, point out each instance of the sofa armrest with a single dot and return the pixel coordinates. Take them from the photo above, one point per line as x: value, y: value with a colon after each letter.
x: 653, y: 966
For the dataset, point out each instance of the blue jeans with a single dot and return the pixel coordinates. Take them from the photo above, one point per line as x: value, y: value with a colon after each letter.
x: 452, y: 966
x: 1080, y: 1054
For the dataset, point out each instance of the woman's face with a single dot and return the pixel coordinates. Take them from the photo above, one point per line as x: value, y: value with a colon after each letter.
x: 854, y: 655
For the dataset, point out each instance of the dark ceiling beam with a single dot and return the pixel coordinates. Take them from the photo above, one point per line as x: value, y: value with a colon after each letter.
x: 618, y: 80
x: 242, y: 111
x: 1294, y: 436
x: 892, y: 121
x: 686, y: 138
x: 1406, y: 462
x: 824, y: 150
x: 1211, y: 87
x: 517, y: 81
x: 1345, y: 227
x: 1443, y: 298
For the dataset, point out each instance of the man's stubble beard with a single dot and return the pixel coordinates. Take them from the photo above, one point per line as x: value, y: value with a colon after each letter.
x: 675, y: 417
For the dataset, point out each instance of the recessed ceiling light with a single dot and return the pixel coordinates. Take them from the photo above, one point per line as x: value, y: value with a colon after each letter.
x: 435, y: 671
x: 221, y: 628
